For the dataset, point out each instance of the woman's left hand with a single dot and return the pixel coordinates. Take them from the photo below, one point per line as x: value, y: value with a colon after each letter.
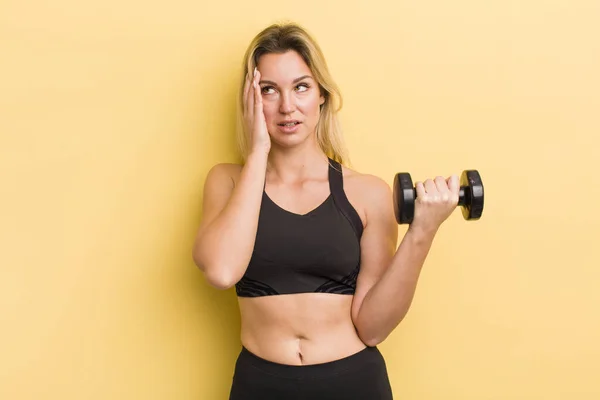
x: 436, y: 200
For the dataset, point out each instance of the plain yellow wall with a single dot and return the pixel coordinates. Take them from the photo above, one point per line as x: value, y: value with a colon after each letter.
x: 112, y: 112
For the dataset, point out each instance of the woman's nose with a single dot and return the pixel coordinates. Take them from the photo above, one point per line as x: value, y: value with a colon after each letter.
x: 287, y: 104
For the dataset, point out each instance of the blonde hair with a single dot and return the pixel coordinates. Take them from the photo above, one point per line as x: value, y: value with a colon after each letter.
x: 282, y: 37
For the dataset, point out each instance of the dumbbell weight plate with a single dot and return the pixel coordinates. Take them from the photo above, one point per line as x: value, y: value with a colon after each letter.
x: 470, y: 181
x: 404, y: 198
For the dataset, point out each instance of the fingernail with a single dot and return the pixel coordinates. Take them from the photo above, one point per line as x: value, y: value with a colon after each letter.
x: 254, y: 71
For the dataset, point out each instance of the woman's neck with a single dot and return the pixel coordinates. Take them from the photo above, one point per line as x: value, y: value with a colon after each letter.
x: 296, y: 165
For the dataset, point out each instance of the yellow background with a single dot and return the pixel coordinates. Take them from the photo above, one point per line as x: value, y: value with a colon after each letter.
x: 112, y: 112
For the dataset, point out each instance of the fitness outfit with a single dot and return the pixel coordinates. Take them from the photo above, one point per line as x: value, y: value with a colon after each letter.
x: 317, y: 252
x: 361, y: 376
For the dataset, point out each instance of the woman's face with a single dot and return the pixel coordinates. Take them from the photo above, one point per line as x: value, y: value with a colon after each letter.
x: 291, y: 97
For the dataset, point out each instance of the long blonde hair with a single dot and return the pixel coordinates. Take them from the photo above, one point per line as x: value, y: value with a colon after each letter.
x: 280, y: 38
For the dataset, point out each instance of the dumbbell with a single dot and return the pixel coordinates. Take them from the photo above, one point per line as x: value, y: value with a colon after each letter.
x: 470, y: 196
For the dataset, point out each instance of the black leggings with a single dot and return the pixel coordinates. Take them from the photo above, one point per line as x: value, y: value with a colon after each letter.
x: 360, y: 376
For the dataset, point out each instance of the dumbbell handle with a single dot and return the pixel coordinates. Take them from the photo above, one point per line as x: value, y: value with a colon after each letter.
x: 464, y: 195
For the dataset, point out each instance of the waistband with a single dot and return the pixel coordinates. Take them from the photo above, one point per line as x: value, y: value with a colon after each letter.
x: 361, y: 360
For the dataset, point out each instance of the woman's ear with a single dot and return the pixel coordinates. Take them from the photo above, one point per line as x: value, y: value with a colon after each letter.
x: 323, y: 94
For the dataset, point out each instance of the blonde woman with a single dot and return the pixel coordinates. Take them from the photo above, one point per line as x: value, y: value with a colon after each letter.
x: 308, y: 243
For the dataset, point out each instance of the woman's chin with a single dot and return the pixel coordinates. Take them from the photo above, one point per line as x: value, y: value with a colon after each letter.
x: 288, y: 140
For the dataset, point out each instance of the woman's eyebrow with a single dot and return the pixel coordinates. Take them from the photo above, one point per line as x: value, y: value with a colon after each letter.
x: 294, y: 81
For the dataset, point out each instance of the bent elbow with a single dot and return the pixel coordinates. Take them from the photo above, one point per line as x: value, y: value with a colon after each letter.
x: 372, y: 341
x: 216, y: 273
x: 219, y: 278
x: 221, y: 284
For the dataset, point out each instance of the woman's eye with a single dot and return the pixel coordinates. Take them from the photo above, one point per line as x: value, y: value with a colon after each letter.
x: 270, y: 89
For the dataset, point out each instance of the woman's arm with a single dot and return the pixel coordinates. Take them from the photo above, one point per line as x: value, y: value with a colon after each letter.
x: 387, y: 281
x: 225, y: 239
x: 226, y: 236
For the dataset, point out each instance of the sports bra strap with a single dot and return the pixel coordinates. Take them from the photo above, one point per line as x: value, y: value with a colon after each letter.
x: 336, y: 185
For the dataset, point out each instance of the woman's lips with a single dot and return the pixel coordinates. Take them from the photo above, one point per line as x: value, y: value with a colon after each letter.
x: 289, y: 126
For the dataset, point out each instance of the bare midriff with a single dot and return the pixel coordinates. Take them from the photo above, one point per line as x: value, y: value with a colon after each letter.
x: 299, y: 329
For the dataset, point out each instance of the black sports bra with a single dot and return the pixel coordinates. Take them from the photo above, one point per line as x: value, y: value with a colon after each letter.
x: 310, y: 253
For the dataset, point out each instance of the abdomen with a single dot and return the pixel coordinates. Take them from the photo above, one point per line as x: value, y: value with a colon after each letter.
x: 299, y: 329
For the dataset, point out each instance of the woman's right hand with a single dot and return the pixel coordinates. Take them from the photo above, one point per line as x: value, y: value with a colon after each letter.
x: 255, y: 124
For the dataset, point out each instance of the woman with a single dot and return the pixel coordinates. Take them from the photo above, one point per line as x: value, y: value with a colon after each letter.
x: 308, y: 243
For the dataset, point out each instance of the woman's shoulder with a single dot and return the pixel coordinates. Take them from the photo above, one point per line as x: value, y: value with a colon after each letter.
x: 367, y: 192
x: 224, y: 170
x: 369, y: 184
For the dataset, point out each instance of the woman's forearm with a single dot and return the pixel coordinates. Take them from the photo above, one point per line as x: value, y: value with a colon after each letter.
x: 225, y: 246
x: 388, y: 301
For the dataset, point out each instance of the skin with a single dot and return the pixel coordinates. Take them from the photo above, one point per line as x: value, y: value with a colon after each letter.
x: 311, y: 328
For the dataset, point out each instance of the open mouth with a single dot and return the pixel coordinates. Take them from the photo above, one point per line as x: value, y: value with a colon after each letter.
x: 289, y: 124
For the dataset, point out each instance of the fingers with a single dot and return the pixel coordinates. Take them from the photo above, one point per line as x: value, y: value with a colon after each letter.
x: 454, y: 184
x: 257, y: 92
x: 420, y: 188
x: 251, y: 95
x: 431, y: 188
x: 439, y: 189
x: 259, y: 117
x: 436, y: 199
x: 427, y: 191
x: 246, y: 90
x: 444, y: 193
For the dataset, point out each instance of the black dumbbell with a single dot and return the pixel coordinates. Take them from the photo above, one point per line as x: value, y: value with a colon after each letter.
x: 470, y: 196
